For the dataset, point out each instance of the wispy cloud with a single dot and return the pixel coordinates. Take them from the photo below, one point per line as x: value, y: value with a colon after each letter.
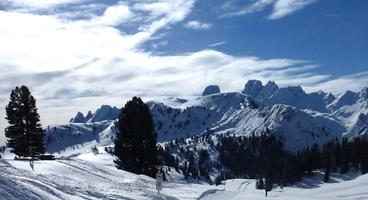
x: 197, y: 25
x: 38, y: 5
x: 281, y: 8
x: 217, y: 44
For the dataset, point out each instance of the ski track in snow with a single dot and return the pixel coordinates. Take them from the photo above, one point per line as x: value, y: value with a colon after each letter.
x: 71, y: 179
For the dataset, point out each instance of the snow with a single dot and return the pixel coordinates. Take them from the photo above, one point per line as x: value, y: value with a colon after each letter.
x: 349, y: 186
x: 306, y: 118
x: 94, y: 176
x: 300, y: 119
x: 86, y: 176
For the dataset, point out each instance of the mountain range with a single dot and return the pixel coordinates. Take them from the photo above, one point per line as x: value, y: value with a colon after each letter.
x: 298, y: 118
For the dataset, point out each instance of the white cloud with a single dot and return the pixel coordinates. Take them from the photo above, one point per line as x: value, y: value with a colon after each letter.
x: 40, y: 4
x: 354, y: 82
x: 197, y: 25
x: 115, y: 15
x: 64, y: 59
x: 281, y: 8
x: 256, y: 6
x: 217, y: 44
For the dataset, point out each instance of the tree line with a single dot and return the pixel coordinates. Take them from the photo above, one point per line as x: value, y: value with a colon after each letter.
x: 264, y: 158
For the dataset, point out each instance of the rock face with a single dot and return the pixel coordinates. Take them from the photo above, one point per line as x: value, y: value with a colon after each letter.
x: 79, y: 118
x: 105, y: 112
x: 211, y: 89
x: 252, y: 88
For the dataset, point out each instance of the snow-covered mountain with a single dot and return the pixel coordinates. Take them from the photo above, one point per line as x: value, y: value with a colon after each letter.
x: 300, y: 119
x: 105, y: 112
x: 271, y: 94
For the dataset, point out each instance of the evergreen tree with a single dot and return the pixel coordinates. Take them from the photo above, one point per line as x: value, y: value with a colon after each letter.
x: 268, y: 184
x: 337, y: 154
x: 345, y: 156
x: 364, y: 157
x: 316, y: 157
x: 326, y: 177
x: 135, y: 144
x: 24, y: 131
x: 260, y: 184
x: 203, y: 163
x: 327, y: 151
x: 218, y: 180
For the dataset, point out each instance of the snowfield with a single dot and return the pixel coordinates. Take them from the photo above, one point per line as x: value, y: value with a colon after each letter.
x: 349, y: 186
x: 90, y: 176
x: 86, y: 176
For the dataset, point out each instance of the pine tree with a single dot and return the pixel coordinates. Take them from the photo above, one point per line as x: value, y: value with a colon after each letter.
x: 364, y: 156
x: 14, y: 132
x: 268, y: 184
x: 260, y: 184
x: 345, y: 156
x: 135, y: 144
x: 24, y: 130
x: 327, y: 158
x: 326, y: 177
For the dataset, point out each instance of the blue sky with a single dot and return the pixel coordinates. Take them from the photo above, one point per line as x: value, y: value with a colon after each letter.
x: 332, y: 33
x: 76, y: 55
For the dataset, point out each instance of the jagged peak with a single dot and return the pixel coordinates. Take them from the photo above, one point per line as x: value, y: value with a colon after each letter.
x: 89, y: 115
x: 252, y: 88
x: 79, y: 114
x: 254, y: 82
x: 269, y: 89
x: 271, y: 84
x: 105, y: 112
x: 79, y: 118
x: 348, y: 98
x: 105, y: 107
x: 295, y: 89
x: 321, y: 92
x: 329, y: 98
x: 364, y: 93
x: 348, y: 94
x: 211, y: 89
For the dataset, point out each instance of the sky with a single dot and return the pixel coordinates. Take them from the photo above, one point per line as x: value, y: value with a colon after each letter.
x: 76, y: 55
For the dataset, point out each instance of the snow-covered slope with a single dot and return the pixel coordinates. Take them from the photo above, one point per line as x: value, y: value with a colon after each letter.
x: 94, y: 176
x: 352, y: 109
x: 350, y: 186
x: 72, y: 138
x: 87, y: 176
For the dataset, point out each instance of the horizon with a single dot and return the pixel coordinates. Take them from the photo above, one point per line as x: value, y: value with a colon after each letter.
x: 77, y: 61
